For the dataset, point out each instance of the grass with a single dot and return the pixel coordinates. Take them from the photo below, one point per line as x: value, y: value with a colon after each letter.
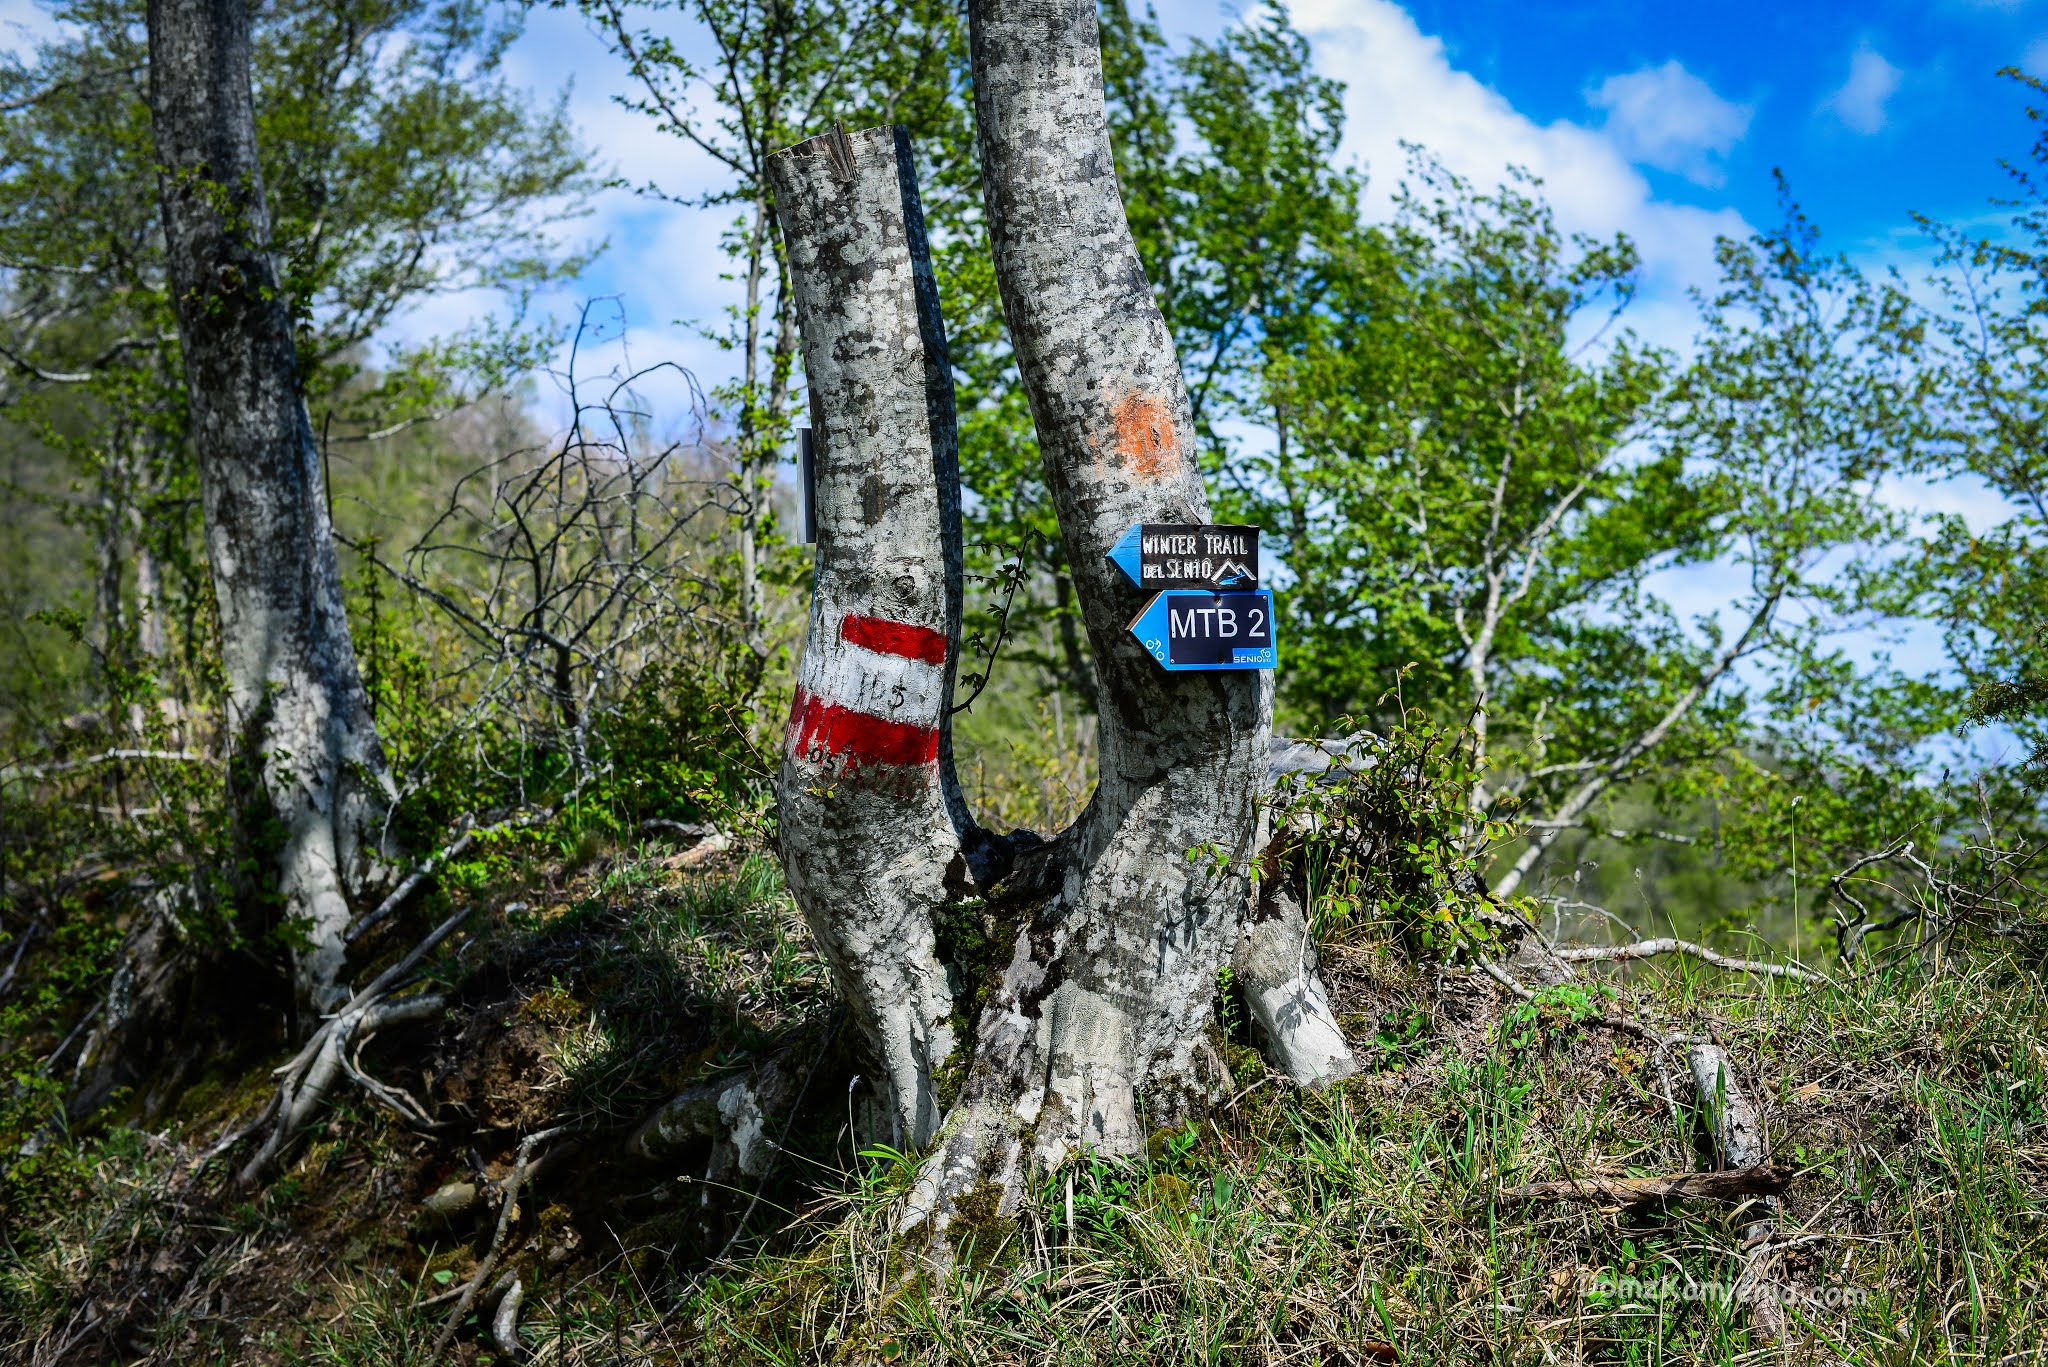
x: 1368, y: 1224
x: 1363, y: 1224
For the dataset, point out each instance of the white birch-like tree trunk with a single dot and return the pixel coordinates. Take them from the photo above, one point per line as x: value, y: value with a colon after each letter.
x: 315, y: 790
x: 1097, y: 1019
x: 874, y: 832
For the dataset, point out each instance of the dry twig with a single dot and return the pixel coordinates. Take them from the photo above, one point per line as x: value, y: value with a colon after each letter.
x: 507, y: 1202
x: 1644, y: 949
x: 1734, y: 1184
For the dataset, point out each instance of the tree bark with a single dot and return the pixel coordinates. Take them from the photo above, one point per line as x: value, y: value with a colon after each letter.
x: 872, y: 822
x: 1740, y: 1145
x: 316, y: 788
x: 1096, y: 1020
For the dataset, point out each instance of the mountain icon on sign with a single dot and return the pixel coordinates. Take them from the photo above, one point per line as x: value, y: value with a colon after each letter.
x: 1232, y: 572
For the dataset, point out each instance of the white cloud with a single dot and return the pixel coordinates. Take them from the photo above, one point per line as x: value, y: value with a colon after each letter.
x: 23, y: 24
x: 1401, y: 86
x: 1860, y: 101
x: 2034, y: 61
x: 1664, y: 116
x: 663, y: 261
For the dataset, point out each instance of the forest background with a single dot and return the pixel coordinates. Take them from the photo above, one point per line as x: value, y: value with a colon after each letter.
x: 1818, y: 574
x: 1705, y: 574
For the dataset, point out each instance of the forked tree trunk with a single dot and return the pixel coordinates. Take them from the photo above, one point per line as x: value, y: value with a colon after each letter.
x: 315, y: 787
x: 1096, y: 1021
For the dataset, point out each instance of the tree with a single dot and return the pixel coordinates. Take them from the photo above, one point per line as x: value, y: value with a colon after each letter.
x: 1473, y: 469
x: 1985, y: 585
x: 1225, y: 154
x: 306, y: 746
x: 398, y: 165
x: 395, y: 163
x: 1086, y: 963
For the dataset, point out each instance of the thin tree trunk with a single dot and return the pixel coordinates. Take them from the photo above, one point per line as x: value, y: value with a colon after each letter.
x: 149, y: 592
x: 315, y: 784
x: 750, y: 430
x: 872, y: 824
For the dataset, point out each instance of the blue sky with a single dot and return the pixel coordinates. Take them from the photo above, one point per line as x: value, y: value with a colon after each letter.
x: 1874, y: 110
x: 1663, y: 121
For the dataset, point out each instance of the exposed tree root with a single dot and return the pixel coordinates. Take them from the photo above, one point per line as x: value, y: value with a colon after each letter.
x: 1275, y: 964
x: 307, y: 1079
x: 731, y: 1111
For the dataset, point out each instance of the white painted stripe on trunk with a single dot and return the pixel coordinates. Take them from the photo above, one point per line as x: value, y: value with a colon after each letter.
x: 888, y: 686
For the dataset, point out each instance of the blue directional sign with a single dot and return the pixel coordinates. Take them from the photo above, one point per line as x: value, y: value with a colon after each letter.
x: 1192, y: 630
x: 1216, y: 557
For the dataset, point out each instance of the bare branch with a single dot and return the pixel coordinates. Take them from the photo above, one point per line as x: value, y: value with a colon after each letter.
x: 23, y: 769
x: 1611, y: 769
x: 1732, y: 1185
x: 1646, y: 949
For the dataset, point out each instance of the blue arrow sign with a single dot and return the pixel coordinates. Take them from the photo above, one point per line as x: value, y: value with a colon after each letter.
x: 1124, y: 554
x: 1192, y: 630
x: 1211, y: 557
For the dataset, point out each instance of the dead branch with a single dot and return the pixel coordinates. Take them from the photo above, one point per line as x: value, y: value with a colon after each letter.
x: 420, y: 873
x: 1732, y: 1185
x: 1741, y: 1147
x: 1644, y: 949
x: 508, y: 1202
x: 1613, y: 832
x: 686, y: 830
x: 455, y: 849
x: 22, y: 769
x: 1984, y: 883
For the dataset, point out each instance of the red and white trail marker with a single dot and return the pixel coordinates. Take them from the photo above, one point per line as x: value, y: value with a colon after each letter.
x: 871, y: 697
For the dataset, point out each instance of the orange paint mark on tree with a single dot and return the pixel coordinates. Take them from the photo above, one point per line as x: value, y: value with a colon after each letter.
x: 1145, y: 437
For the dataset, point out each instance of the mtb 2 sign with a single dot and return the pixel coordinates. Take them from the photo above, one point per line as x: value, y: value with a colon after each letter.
x: 1208, y: 630
x: 1210, y: 612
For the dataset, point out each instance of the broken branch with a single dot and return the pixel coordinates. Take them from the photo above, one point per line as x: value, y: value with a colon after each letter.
x: 508, y: 1201
x: 1734, y: 1184
x: 1644, y: 949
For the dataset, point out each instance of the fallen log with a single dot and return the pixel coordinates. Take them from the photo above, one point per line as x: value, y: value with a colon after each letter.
x: 1740, y: 1146
x: 1731, y: 1185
